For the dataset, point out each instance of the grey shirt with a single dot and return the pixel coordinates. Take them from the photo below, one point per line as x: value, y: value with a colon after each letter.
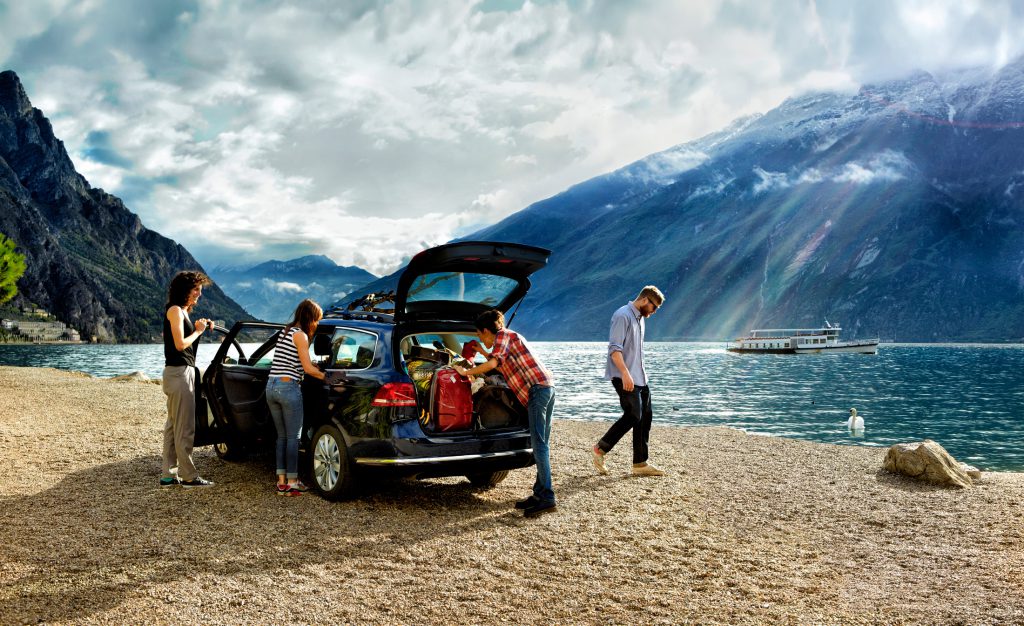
x: 627, y: 336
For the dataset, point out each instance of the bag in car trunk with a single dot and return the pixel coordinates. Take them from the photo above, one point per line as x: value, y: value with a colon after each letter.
x: 497, y: 407
x: 451, y: 401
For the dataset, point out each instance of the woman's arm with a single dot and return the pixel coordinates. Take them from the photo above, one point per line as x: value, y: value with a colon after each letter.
x: 302, y: 345
x: 177, y: 319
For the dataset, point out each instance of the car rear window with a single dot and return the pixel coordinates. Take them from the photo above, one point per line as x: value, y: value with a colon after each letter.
x: 485, y: 289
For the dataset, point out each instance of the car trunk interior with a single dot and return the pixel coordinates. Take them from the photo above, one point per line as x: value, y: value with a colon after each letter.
x: 450, y: 403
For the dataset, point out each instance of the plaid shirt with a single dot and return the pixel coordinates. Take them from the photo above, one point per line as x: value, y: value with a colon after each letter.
x: 518, y: 365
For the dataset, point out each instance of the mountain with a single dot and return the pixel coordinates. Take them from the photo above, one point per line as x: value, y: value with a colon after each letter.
x: 897, y: 211
x: 272, y: 290
x: 90, y: 261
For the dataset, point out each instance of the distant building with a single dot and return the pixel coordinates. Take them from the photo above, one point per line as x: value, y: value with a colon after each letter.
x: 7, y: 324
x: 42, y: 331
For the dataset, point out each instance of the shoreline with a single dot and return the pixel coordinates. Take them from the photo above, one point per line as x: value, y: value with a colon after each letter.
x: 751, y: 432
x: 743, y: 529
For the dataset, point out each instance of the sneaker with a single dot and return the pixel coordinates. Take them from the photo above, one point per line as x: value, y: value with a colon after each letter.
x: 646, y: 469
x: 599, y: 461
x: 527, y: 502
x: 299, y: 486
x: 541, y: 508
x: 288, y: 491
x: 198, y: 481
x: 169, y: 482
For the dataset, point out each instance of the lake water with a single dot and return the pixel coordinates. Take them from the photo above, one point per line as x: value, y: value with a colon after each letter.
x: 969, y: 398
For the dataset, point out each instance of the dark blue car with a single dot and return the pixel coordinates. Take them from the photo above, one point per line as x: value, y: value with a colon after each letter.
x: 376, y: 411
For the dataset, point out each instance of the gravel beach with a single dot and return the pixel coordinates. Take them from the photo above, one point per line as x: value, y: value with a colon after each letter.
x: 743, y: 529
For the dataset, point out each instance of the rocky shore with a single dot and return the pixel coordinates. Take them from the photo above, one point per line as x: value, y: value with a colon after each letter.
x: 743, y: 529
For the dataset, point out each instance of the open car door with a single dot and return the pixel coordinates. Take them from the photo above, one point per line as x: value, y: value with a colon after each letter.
x: 208, y: 430
x: 235, y: 383
x: 458, y: 281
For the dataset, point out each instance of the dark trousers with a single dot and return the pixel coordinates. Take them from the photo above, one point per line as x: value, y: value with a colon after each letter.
x: 636, y: 415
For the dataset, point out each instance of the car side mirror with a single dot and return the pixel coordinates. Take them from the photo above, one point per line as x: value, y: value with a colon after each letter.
x: 321, y: 345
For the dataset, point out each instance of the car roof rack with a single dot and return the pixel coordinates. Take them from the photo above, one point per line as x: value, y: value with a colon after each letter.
x: 359, y: 315
x: 366, y: 308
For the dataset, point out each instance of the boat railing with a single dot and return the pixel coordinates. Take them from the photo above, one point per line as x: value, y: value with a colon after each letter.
x: 783, y: 333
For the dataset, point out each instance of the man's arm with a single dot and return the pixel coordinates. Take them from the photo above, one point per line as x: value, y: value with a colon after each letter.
x: 619, y: 362
x: 616, y: 341
x: 483, y: 368
x: 499, y: 351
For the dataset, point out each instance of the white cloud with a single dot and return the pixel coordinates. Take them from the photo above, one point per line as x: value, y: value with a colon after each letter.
x: 283, y: 286
x: 887, y: 166
x: 770, y: 180
x: 387, y: 126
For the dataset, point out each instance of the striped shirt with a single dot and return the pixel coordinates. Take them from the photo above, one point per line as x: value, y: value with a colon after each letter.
x: 518, y: 365
x: 286, y: 356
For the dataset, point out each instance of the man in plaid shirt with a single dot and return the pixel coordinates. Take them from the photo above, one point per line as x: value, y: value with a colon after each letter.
x: 533, y: 384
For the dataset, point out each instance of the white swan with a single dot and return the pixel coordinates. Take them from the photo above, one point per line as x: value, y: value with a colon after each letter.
x: 855, y: 422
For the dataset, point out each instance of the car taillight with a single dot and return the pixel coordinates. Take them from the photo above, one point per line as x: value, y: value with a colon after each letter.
x: 396, y: 394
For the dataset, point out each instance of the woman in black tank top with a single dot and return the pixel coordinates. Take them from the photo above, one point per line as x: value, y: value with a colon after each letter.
x: 179, y: 382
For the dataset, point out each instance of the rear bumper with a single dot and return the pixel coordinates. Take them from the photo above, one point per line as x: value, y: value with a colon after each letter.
x: 449, y: 465
x: 442, y: 460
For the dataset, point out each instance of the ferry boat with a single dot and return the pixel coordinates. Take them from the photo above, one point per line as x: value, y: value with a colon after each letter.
x: 801, y: 341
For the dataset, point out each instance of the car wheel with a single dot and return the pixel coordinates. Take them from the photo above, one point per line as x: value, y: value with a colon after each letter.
x: 487, y: 480
x: 329, y: 463
x: 229, y: 451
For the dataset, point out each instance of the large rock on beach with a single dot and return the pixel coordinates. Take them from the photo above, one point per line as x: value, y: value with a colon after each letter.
x: 927, y: 461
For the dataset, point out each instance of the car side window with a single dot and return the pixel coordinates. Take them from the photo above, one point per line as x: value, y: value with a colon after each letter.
x: 352, y: 349
x: 256, y: 342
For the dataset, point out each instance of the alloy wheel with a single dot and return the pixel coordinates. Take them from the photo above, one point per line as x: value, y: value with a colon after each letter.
x: 326, y: 462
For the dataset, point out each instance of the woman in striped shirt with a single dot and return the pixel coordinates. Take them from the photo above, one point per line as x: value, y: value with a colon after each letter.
x: 284, y: 392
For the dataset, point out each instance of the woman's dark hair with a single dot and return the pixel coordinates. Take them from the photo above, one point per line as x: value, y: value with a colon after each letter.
x: 307, y: 315
x: 181, y: 285
x: 492, y: 320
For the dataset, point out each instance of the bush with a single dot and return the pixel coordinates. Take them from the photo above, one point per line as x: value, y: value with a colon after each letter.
x: 12, y: 267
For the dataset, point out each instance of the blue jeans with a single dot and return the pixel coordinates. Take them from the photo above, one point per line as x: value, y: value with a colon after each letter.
x: 285, y: 402
x: 539, y: 408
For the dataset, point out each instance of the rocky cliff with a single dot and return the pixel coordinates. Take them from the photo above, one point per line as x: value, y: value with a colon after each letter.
x: 90, y: 261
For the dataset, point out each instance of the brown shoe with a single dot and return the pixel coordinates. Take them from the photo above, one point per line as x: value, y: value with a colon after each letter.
x: 599, y: 461
x: 646, y: 469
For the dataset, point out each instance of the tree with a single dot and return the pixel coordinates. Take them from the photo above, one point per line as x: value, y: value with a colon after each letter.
x: 12, y: 266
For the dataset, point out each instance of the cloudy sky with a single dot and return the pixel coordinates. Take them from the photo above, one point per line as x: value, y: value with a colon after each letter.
x: 368, y: 130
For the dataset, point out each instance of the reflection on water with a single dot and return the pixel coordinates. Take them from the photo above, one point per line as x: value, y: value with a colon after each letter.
x: 968, y: 398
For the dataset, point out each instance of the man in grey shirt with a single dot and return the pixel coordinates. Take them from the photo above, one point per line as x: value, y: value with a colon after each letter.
x: 625, y: 368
